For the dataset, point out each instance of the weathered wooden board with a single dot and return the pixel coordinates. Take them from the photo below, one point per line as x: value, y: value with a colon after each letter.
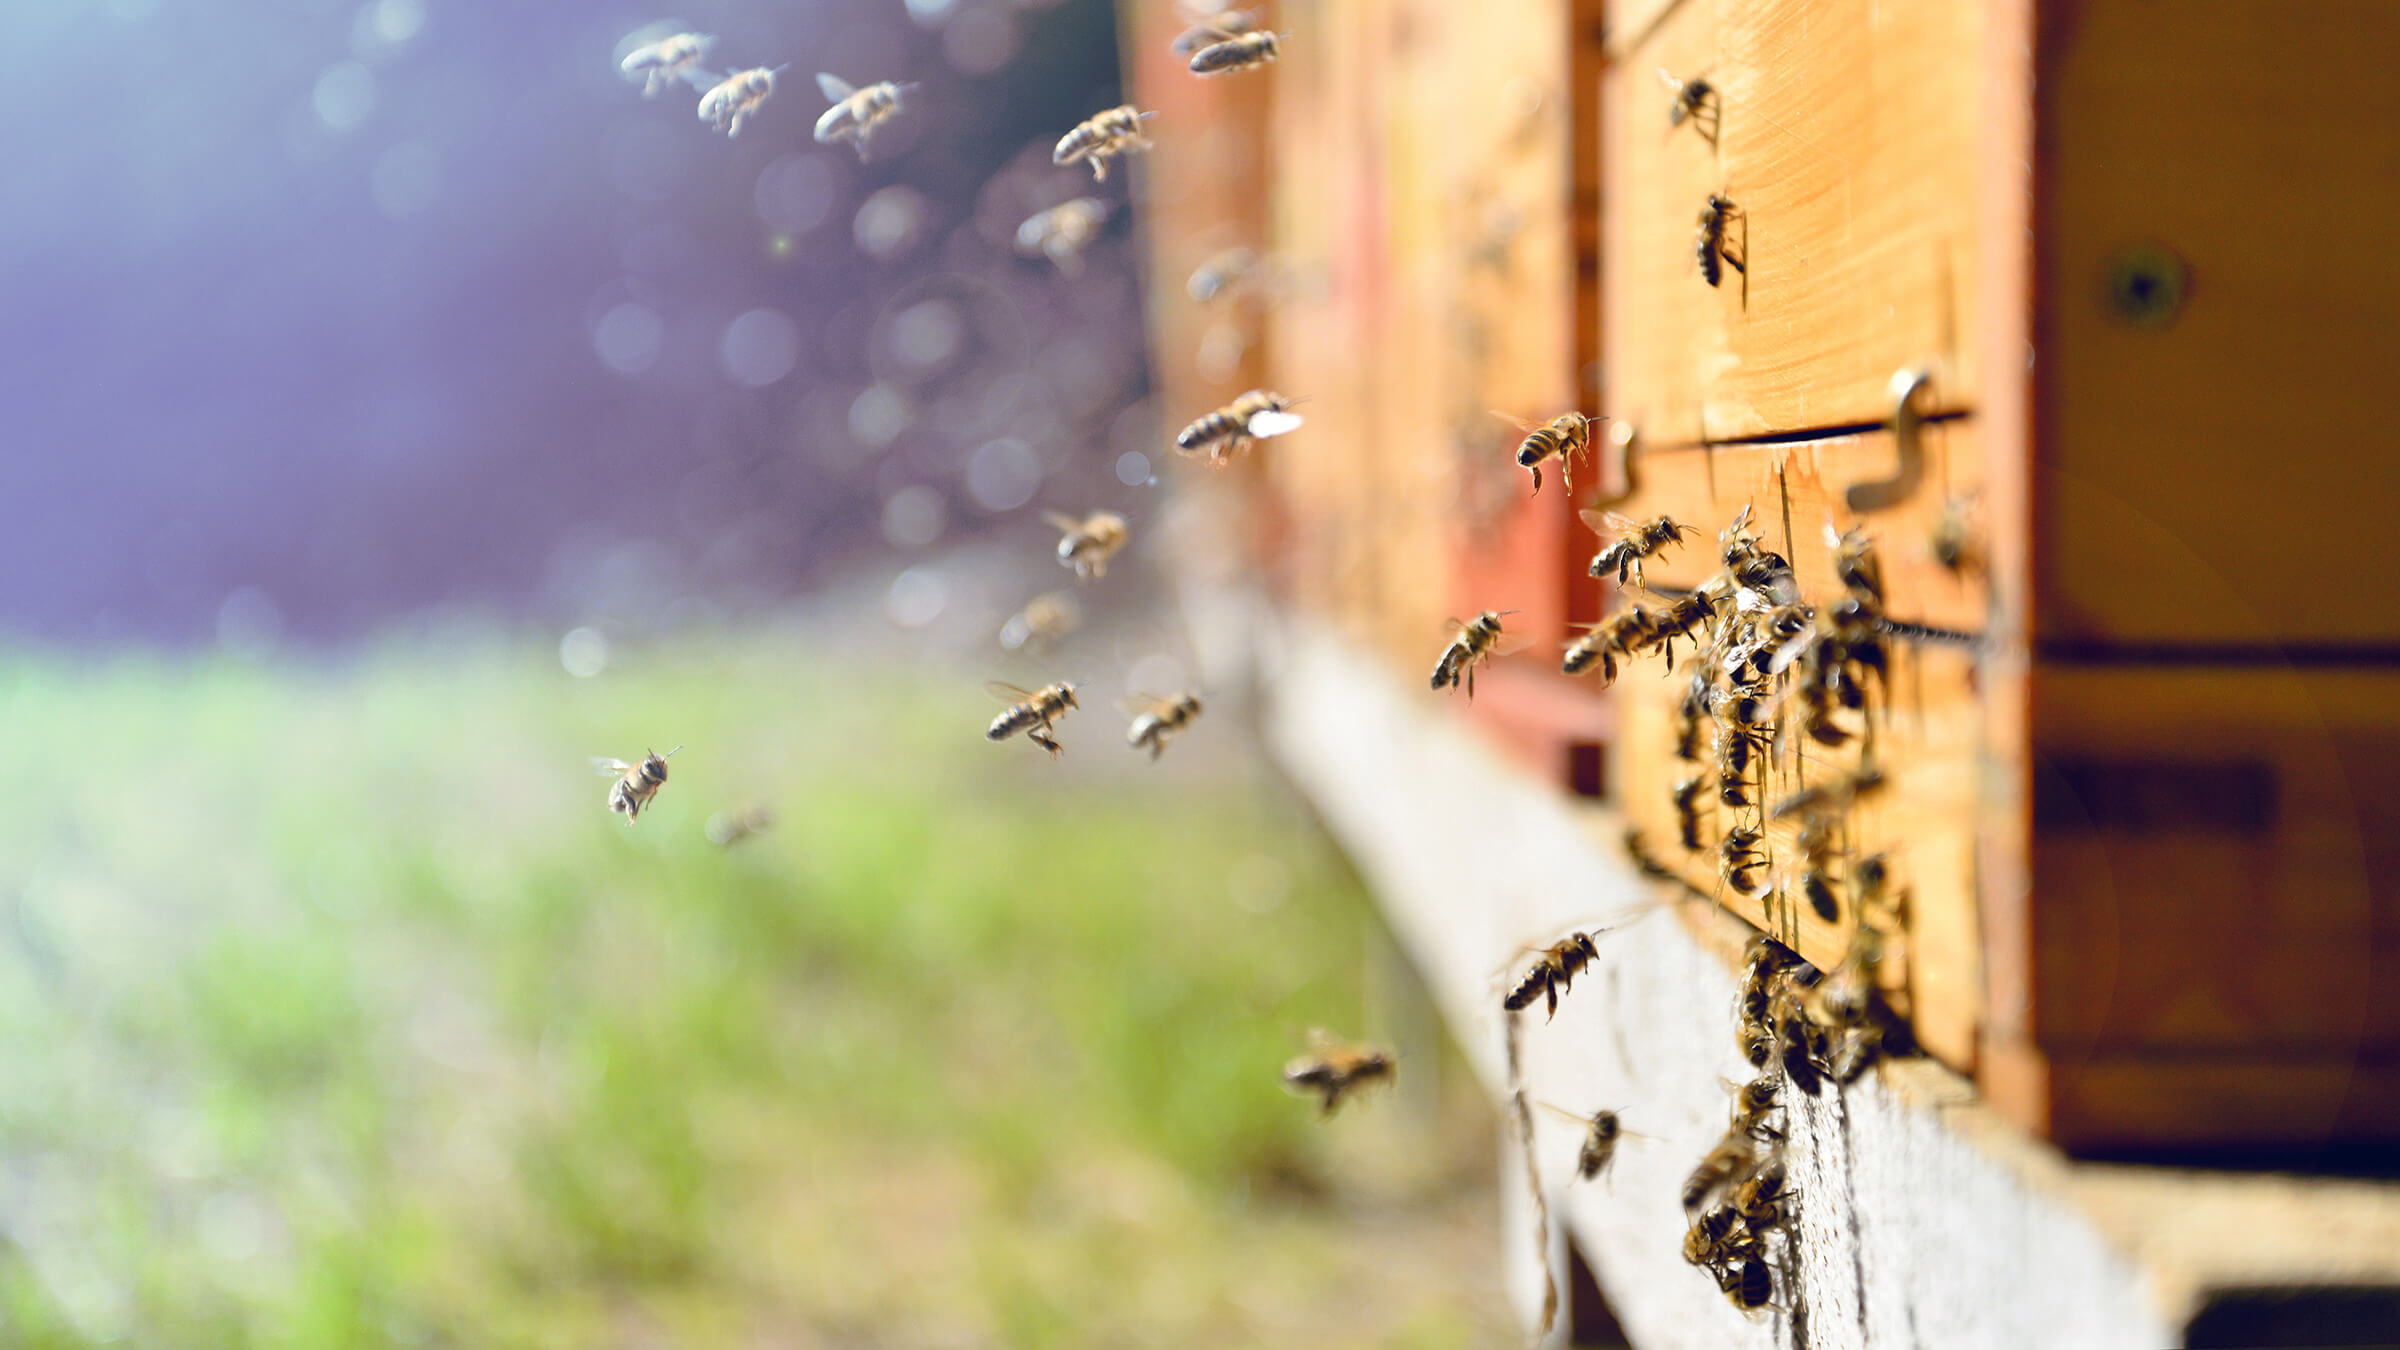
x: 2217, y: 471
x: 1848, y: 139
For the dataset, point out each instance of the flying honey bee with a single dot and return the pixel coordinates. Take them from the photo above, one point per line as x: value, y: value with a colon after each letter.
x: 1714, y: 253
x: 1247, y: 51
x: 661, y: 63
x: 1254, y: 416
x: 727, y: 828
x: 856, y: 112
x: 1045, y: 619
x: 1101, y: 137
x: 1032, y: 711
x: 1732, y: 1157
x: 1062, y: 232
x: 636, y: 783
x: 1553, y: 971
x: 1208, y: 29
x: 737, y: 98
x: 1696, y: 101
x: 1219, y: 274
x: 1472, y: 644
x: 1679, y: 620
x: 1602, y: 1131
x: 1087, y: 544
x: 1634, y: 542
x: 1953, y: 540
x: 1619, y: 635
x: 1333, y: 1069
x: 1855, y: 564
x: 1561, y: 438
x: 1158, y: 720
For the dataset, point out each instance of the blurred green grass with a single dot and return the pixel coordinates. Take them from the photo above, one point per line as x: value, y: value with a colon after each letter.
x: 342, y: 1012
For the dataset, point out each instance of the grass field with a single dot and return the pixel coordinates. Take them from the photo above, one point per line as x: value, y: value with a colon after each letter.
x: 341, y: 1012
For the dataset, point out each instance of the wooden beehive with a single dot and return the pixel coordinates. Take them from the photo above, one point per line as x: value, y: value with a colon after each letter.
x: 2143, y: 808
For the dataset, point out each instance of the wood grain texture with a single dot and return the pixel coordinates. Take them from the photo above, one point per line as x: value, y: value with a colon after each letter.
x: 1929, y: 740
x: 2222, y: 477
x: 1848, y: 140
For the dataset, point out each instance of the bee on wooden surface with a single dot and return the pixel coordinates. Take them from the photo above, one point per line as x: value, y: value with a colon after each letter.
x: 636, y: 783
x: 1754, y: 1105
x: 1219, y: 274
x: 857, y: 112
x: 1754, y: 568
x: 1801, y: 1045
x: 1953, y: 540
x: 1333, y: 1069
x: 675, y: 57
x: 1101, y: 137
x: 737, y: 98
x: 1644, y: 861
x: 1815, y: 843
x: 1045, y: 619
x: 1158, y: 720
x: 1689, y: 710
x: 1086, y: 545
x: 1553, y: 971
x: 1247, y: 51
x: 1032, y: 711
x: 1209, y: 29
x: 1063, y: 232
x: 1635, y: 541
x: 727, y: 828
x: 1731, y: 1158
x: 1714, y: 252
x: 1681, y: 618
x: 1756, y: 1041
x: 1748, y: 1283
x: 1719, y: 1236
x: 1697, y: 101
x: 1739, y: 859
x: 1854, y: 562
x: 1561, y: 438
x: 1833, y: 797
x: 1254, y: 416
x: 1472, y: 644
x: 1762, y: 1197
x: 1687, y: 812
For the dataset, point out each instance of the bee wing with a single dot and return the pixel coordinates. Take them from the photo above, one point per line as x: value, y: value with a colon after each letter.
x: 1063, y: 521
x: 834, y: 86
x: 1453, y: 625
x: 1265, y: 424
x: 610, y: 768
x: 1006, y: 692
x: 1576, y: 1116
x: 700, y: 78
x: 1508, y: 643
x: 1139, y: 703
x: 1620, y: 523
x: 1515, y: 421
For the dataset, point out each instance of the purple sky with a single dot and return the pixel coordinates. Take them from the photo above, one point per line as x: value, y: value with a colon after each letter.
x: 321, y: 299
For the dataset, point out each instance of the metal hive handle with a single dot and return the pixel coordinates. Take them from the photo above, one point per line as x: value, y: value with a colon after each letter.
x: 1908, y: 424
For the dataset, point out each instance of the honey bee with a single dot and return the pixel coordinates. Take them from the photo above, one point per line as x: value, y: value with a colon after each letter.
x: 1755, y: 569
x: 1561, y: 438
x: 636, y: 783
x: 1732, y: 1157
x: 1801, y: 1045
x: 1333, y: 1069
x: 661, y: 63
x: 1636, y: 540
x: 736, y: 98
x: 1953, y: 539
x: 1219, y: 274
x: 1602, y: 1130
x: 1472, y: 644
x: 1679, y: 619
x: 1087, y: 544
x: 1638, y: 850
x: 1711, y: 246
x: 1687, y: 811
x: 1739, y: 859
x: 1210, y: 28
x: 1032, y: 711
x: 1815, y: 843
x: 1254, y: 416
x: 1697, y: 101
x: 1554, y: 970
x: 1761, y: 1197
x: 1756, y: 1041
x: 1753, y: 1104
x: 1620, y: 634
x: 1247, y: 51
x: 1102, y: 136
x: 1688, y: 711
x: 856, y: 112
x: 1063, y: 232
x: 727, y: 828
x: 1045, y: 619
x: 1748, y: 1283
x: 1719, y: 1236
x: 1855, y: 564
x: 1158, y: 720
x: 1831, y: 798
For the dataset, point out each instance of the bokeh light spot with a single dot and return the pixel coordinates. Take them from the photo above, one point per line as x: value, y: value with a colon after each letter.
x: 760, y: 347
x: 629, y: 338
x: 917, y: 597
x: 914, y: 517
x: 878, y: 415
x: 980, y: 41
x: 888, y: 222
x: 927, y: 333
x: 344, y: 95
x: 1002, y: 475
x: 584, y: 652
x: 794, y: 194
x: 1133, y: 469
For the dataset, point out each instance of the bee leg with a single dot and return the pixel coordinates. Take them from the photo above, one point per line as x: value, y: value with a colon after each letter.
x: 1471, y: 680
x: 1537, y: 479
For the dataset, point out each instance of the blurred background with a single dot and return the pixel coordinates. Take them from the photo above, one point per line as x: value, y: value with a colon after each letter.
x: 405, y: 411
